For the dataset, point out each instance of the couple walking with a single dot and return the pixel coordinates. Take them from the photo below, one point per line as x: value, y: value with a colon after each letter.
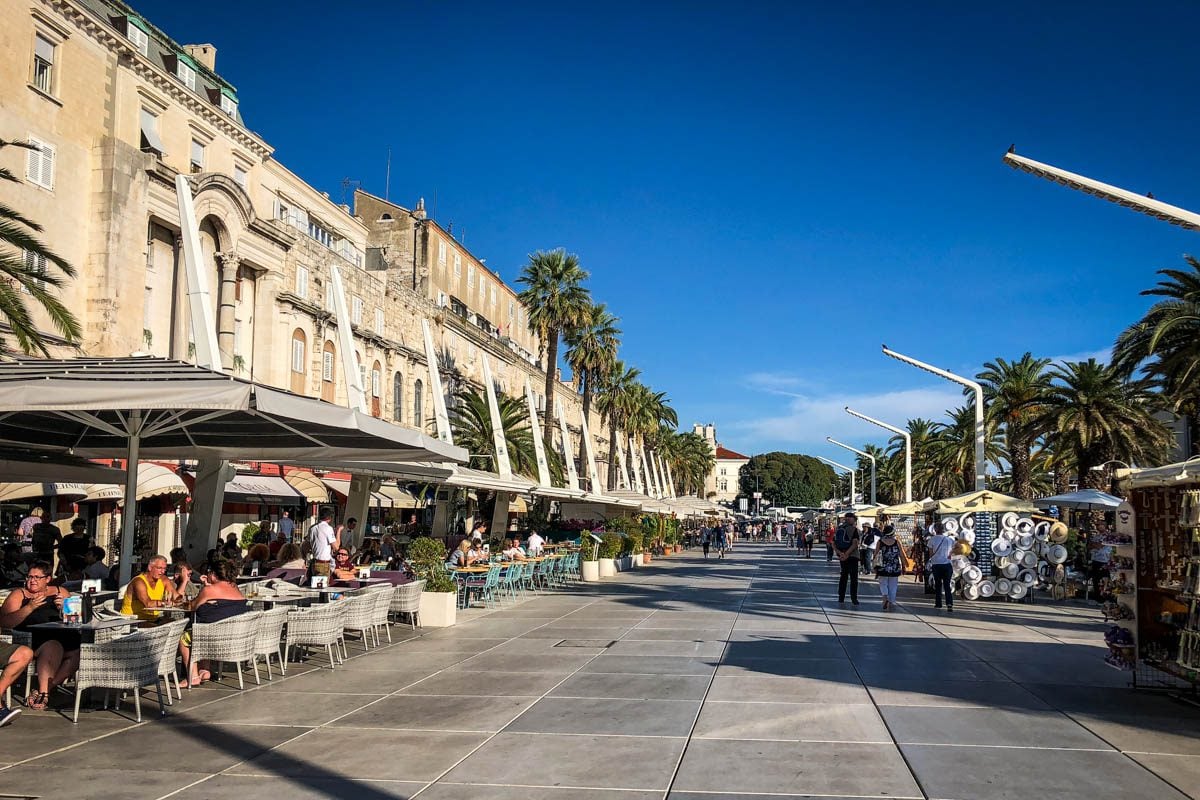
x: 890, y: 560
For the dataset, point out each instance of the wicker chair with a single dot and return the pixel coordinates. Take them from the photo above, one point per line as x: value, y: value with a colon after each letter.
x: 406, y: 599
x: 127, y: 663
x: 318, y: 626
x: 229, y: 641
x: 268, y: 639
x: 167, y: 654
x: 359, y: 617
x: 382, y: 595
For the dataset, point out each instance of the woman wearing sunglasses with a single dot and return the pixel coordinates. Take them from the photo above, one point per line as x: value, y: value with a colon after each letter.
x: 57, y: 652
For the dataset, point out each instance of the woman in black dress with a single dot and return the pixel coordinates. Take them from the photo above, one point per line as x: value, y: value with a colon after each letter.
x: 57, y: 652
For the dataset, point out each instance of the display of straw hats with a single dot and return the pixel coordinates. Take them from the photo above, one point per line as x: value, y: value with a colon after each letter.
x: 1024, y: 525
x: 967, y: 535
x: 950, y: 526
x: 987, y: 588
x: 1058, y: 532
x: 973, y: 574
x: 1017, y: 590
x: 1002, y: 547
x: 1009, y: 520
x: 1003, y: 585
x: 1041, y: 531
x: 1029, y: 559
x: 966, y: 521
x: 961, y: 548
x: 1057, y: 554
x: 1010, y: 570
x: 1025, y: 541
x: 971, y: 592
x: 1027, y: 577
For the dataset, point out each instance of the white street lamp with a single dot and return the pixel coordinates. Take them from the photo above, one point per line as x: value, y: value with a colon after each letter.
x: 865, y: 454
x: 907, y: 448
x: 980, y: 463
x: 851, y: 470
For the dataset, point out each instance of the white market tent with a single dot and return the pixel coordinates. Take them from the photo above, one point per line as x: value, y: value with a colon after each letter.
x: 142, y: 407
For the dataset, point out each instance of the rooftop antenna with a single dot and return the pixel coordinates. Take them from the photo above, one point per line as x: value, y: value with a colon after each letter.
x: 387, y: 181
x: 346, y: 184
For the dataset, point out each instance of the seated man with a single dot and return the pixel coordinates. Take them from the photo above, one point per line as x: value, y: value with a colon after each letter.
x: 94, y: 566
x: 15, y: 659
x: 514, y: 552
x: 152, y: 590
x: 343, y: 566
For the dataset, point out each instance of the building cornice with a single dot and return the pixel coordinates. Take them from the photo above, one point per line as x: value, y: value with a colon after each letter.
x: 104, y: 34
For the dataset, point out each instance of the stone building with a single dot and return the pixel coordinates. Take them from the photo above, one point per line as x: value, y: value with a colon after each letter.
x: 722, y: 483
x: 117, y: 109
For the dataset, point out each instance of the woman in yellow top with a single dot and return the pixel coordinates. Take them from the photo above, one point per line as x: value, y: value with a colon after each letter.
x: 151, y: 590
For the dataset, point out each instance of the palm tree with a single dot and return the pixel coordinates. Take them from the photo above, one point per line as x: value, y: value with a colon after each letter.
x: 952, y: 450
x: 472, y: 425
x: 592, y: 348
x: 691, y: 460
x: 23, y: 270
x: 1165, y: 342
x: 1015, y: 392
x: 615, y: 395
x: 921, y: 432
x: 1092, y: 412
x: 558, y: 304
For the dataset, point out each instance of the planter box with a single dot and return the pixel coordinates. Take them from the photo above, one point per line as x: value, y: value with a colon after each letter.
x: 638, y: 559
x: 608, y: 567
x: 647, y: 557
x: 589, y: 571
x: 438, y: 609
x: 625, y: 564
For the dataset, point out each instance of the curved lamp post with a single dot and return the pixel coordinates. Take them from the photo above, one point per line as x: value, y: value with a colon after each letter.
x: 907, y: 448
x: 851, y: 470
x: 831, y: 440
x: 980, y: 463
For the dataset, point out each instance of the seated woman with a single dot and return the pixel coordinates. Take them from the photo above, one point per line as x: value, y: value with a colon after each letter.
x: 256, y: 560
x: 514, y: 551
x: 461, y: 556
x: 152, y: 590
x: 57, y: 652
x: 219, y: 599
x: 369, y: 553
x: 290, y: 557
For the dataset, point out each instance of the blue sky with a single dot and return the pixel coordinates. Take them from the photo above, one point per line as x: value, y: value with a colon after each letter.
x: 765, y: 192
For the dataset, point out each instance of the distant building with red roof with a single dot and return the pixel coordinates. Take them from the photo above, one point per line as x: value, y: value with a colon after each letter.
x: 722, y: 484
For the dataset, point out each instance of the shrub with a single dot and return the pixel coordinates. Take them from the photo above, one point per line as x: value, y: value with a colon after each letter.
x: 248, y: 532
x: 635, y: 540
x: 610, y: 544
x: 587, y: 548
x: 428, y: 557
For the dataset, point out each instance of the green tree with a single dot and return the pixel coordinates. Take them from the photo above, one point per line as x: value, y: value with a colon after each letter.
x: 615, y: 399
x: 791, y: 479
x: 24, y: 270
x: 1015, y: 392
x: 1096, y: 415
x: 471, y: 423
x: 1165, y: 342
x: 592, y: 350
x: 952, y: 451
x: 558, y: 303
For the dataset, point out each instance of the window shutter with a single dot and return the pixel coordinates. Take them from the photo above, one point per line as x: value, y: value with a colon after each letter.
x: 47, y: 166
x: 33, y: 163
x: 43, y: 49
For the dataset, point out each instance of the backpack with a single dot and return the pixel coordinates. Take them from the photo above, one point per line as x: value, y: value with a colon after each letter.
x: 869, y: 538
x: 844, y: 536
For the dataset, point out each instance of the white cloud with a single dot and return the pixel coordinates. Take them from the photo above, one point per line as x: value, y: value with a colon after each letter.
x: 809, y: 419
x: 777, y: 383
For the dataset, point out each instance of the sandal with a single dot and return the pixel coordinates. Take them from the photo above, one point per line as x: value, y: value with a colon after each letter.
x: 37, y: 701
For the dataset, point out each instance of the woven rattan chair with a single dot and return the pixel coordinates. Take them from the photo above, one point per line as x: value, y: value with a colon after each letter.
x: 359, y: 617
x: 167, y: 654
x: 382, y: 595
x: 406, y: 599
x: 126, y: 664
x: 318, y: 626
x: 268, y: 639
x: 230, y: 641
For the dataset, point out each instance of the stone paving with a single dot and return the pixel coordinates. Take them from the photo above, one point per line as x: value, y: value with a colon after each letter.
x: 735, y: 678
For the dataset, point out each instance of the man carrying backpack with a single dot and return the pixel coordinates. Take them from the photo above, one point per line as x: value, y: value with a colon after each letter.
x: 866, y: 550
x: 845, y: 544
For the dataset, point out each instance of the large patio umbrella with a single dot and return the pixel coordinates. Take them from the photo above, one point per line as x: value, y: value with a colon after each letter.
x: 24, y: 466
x: 1086, y: 499
x: 142, y: 407
x: 984, y: 500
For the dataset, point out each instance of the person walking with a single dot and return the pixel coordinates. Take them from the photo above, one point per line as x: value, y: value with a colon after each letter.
x: 1101, y: 555
x: 721, y: 542
x: 866, y: 550
x: 705, y: 541
x: 829, y: 542
x: 846, y: 542
x: 889, y: 566
x: 938, y: 546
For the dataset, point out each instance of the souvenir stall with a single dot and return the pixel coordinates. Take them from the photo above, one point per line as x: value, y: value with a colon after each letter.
x: 1156, y: 599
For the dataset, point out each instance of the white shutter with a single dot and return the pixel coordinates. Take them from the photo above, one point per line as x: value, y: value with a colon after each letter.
x: 302, y: 282
x: 327, y: 366
x: 375, y: 383
x: 43, y: 48
x: 33, y: 163
x: 379, y: 321
x: 297, y: 355
x: 48, y: 158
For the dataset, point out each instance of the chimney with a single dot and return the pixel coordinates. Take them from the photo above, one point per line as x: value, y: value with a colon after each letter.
x: 420, y: 210
x: 206, y: 54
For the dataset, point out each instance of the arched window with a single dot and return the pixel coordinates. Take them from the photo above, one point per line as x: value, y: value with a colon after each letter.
x: 299, y: 360
x: 376, y: 390
x: 418, y: 412
x: 328, y: 376
x: 398, y: 398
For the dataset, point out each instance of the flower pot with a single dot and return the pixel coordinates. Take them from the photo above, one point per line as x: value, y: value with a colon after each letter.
x: 637, y: 559
x: 608, y: 567
x: 438, y: 609
x: 678, y: 548
x: 647, y: 558
x: 589, y: 571
x: 625, y: 563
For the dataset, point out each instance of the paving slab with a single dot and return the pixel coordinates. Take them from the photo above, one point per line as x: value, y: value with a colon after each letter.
x: 438, y: 713
x: 992, y: 726
x: 637, y: 687
x: 613, y: 716
x: 798, y: 722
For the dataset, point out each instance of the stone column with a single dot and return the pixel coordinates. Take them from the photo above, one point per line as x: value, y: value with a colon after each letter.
x: 227, y: 306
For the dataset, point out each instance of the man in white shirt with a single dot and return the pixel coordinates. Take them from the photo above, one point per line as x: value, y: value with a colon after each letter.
x: 322, y: 541
x: 514, y: 551
x: 534, y: 544
x: 939, y: 547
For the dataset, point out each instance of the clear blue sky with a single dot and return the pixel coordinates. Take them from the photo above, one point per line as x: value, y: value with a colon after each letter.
x: 763, y: 192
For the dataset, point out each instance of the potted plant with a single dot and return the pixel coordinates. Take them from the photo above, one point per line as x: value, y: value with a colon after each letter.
x: 439, y: 600
x: 635, y: 546
x: 589, y: 567
x: 610, y: 548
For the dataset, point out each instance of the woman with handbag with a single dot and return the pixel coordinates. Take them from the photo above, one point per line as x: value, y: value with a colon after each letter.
x: 891, y: 562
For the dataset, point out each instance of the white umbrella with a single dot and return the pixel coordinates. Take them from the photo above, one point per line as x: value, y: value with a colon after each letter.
x: 1086, y: 499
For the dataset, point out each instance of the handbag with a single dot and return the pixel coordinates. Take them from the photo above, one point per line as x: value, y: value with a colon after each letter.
x: 906, y: 562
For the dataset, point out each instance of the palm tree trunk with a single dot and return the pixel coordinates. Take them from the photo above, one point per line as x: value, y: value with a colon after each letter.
x: 613, y: 445
x: 1019, y: 453
x: 586, y: 381
x: 551, y: 380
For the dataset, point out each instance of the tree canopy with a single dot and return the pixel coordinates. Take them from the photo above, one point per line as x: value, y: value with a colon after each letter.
x: 790, y: 479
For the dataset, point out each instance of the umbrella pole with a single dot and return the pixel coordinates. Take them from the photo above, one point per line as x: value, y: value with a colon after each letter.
x: 131, y: 481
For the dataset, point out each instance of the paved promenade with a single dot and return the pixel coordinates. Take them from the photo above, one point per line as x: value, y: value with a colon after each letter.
x: 688, y: 680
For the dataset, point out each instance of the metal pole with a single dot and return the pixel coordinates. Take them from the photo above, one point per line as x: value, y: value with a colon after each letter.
x: 980, y: 462
x: 851, y: 470
x: 862, y: 453
x: 125, y: 573
x: 907, y: 448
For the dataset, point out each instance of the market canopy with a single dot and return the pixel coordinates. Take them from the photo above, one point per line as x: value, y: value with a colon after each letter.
x: 92, y: 407
x: 28, y: 465
x: 983, y: 500
x: 30, y: 491
x: 1083, y: 499
x: 153, y: 480
x: 1177, y: 474
x: 911, y: 507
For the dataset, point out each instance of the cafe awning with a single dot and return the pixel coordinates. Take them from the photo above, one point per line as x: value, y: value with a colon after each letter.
x: 19, y: 466
x: 398, y: 496
x: 984, y: 500
x: 267, y: 490
x: 153, y: 480
x: 379, y: 499
x: 31, y: 491
x: 308, y: 485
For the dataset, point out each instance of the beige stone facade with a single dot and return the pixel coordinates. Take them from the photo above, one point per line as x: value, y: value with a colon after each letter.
x: 721, y: 484
x: 121, y: 109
